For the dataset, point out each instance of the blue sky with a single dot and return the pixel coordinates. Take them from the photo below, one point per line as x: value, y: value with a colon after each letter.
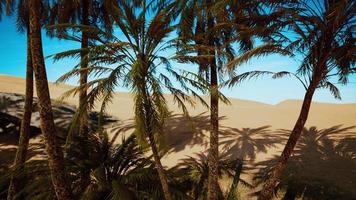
x: 267, y: 90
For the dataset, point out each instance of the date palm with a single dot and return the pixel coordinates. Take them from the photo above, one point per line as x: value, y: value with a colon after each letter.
x: 137, y: 58
x: 119, y: 171
x: 196, y: 35
x: 208, y: 32
x: 64, y: 16
x: 20, y: 157
x: 324, y: 35
x: 54, y: 150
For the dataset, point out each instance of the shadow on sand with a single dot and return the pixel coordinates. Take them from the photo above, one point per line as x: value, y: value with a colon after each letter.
x: 11, y: 111
x: 323, y: 165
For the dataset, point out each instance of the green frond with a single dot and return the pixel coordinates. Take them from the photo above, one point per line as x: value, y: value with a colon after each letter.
x: 332, y: 88
x: 238, y: 79
x: 283, y: 74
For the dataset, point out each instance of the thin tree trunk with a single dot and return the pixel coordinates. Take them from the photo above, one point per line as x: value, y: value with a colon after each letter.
x: 213, y: 158
x: 268, y: 189
x: 84, y: 73
x: 54, y: 151
x: 20, y: 158
x: 214, y: 135
x: 161, y: 173
x: 83, y: 120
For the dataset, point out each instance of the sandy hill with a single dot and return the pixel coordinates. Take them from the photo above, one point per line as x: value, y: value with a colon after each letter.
x: 250, y: 130
x: 241, y: 113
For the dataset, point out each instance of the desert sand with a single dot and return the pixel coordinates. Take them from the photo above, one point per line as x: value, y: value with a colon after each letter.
x: 250, y: 130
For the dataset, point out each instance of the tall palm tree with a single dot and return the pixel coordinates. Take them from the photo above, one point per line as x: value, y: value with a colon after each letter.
x: 138, y: 61
x: 196, y: 26
x: 20, y: 157
x: 65, y: 15
x: 210, y: 30
x: 21, y: 151
x: 325, y: 36
x: 76, y: 12
x: 54, y: 151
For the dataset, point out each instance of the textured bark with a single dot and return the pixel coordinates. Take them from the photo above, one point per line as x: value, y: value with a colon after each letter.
x: 148, y: 110
x: 214, y: 136
x: 213, y: 159
x: 268, y: 189
x: 83, y: 120
x: 53, y: 149
x: 20, y: 158
x: 84, y: 73
x: 161, y: 173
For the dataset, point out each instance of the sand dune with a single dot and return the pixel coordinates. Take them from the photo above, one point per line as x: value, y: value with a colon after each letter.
x: 250, y: 130
x: 241, y: 113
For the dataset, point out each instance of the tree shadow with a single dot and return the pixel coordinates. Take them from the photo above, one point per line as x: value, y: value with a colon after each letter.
x: 191, y: 175
x: 9, y: 102
x: 323, y: 165
x: 8, y: 147
x: 245, y: 143
x: 12, y: 108
x: 182, y: 131
x: 121, y: 128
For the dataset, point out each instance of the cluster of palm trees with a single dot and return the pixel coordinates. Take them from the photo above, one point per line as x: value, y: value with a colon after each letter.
x: 125, y: 42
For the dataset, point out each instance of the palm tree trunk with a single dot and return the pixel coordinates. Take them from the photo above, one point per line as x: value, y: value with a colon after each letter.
x: 214, y: 135
x: 83, y: 120
x: 54, y: 151
x: 20, y: 158
x: 84, y: 73
x: 213, y: 158
x: 148, y: 110
x: 268, y: 189
x: 161, y: 173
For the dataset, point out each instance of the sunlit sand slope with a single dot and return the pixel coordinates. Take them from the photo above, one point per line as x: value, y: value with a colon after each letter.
x: 250, y: 130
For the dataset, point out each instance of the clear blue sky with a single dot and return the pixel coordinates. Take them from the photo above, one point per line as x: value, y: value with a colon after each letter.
x: 13, y: 62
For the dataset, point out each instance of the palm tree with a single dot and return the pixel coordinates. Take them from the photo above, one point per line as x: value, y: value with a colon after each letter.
x: 324, y: 32
x: 119, y: 171
x: 20, y: 158
x: 137, y: 59
x: 83, y: 13
x: 54, y: 151
x: 21, y: 151
x: 197, y: 22
x: 210, y: 29
x: 64, y: 14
